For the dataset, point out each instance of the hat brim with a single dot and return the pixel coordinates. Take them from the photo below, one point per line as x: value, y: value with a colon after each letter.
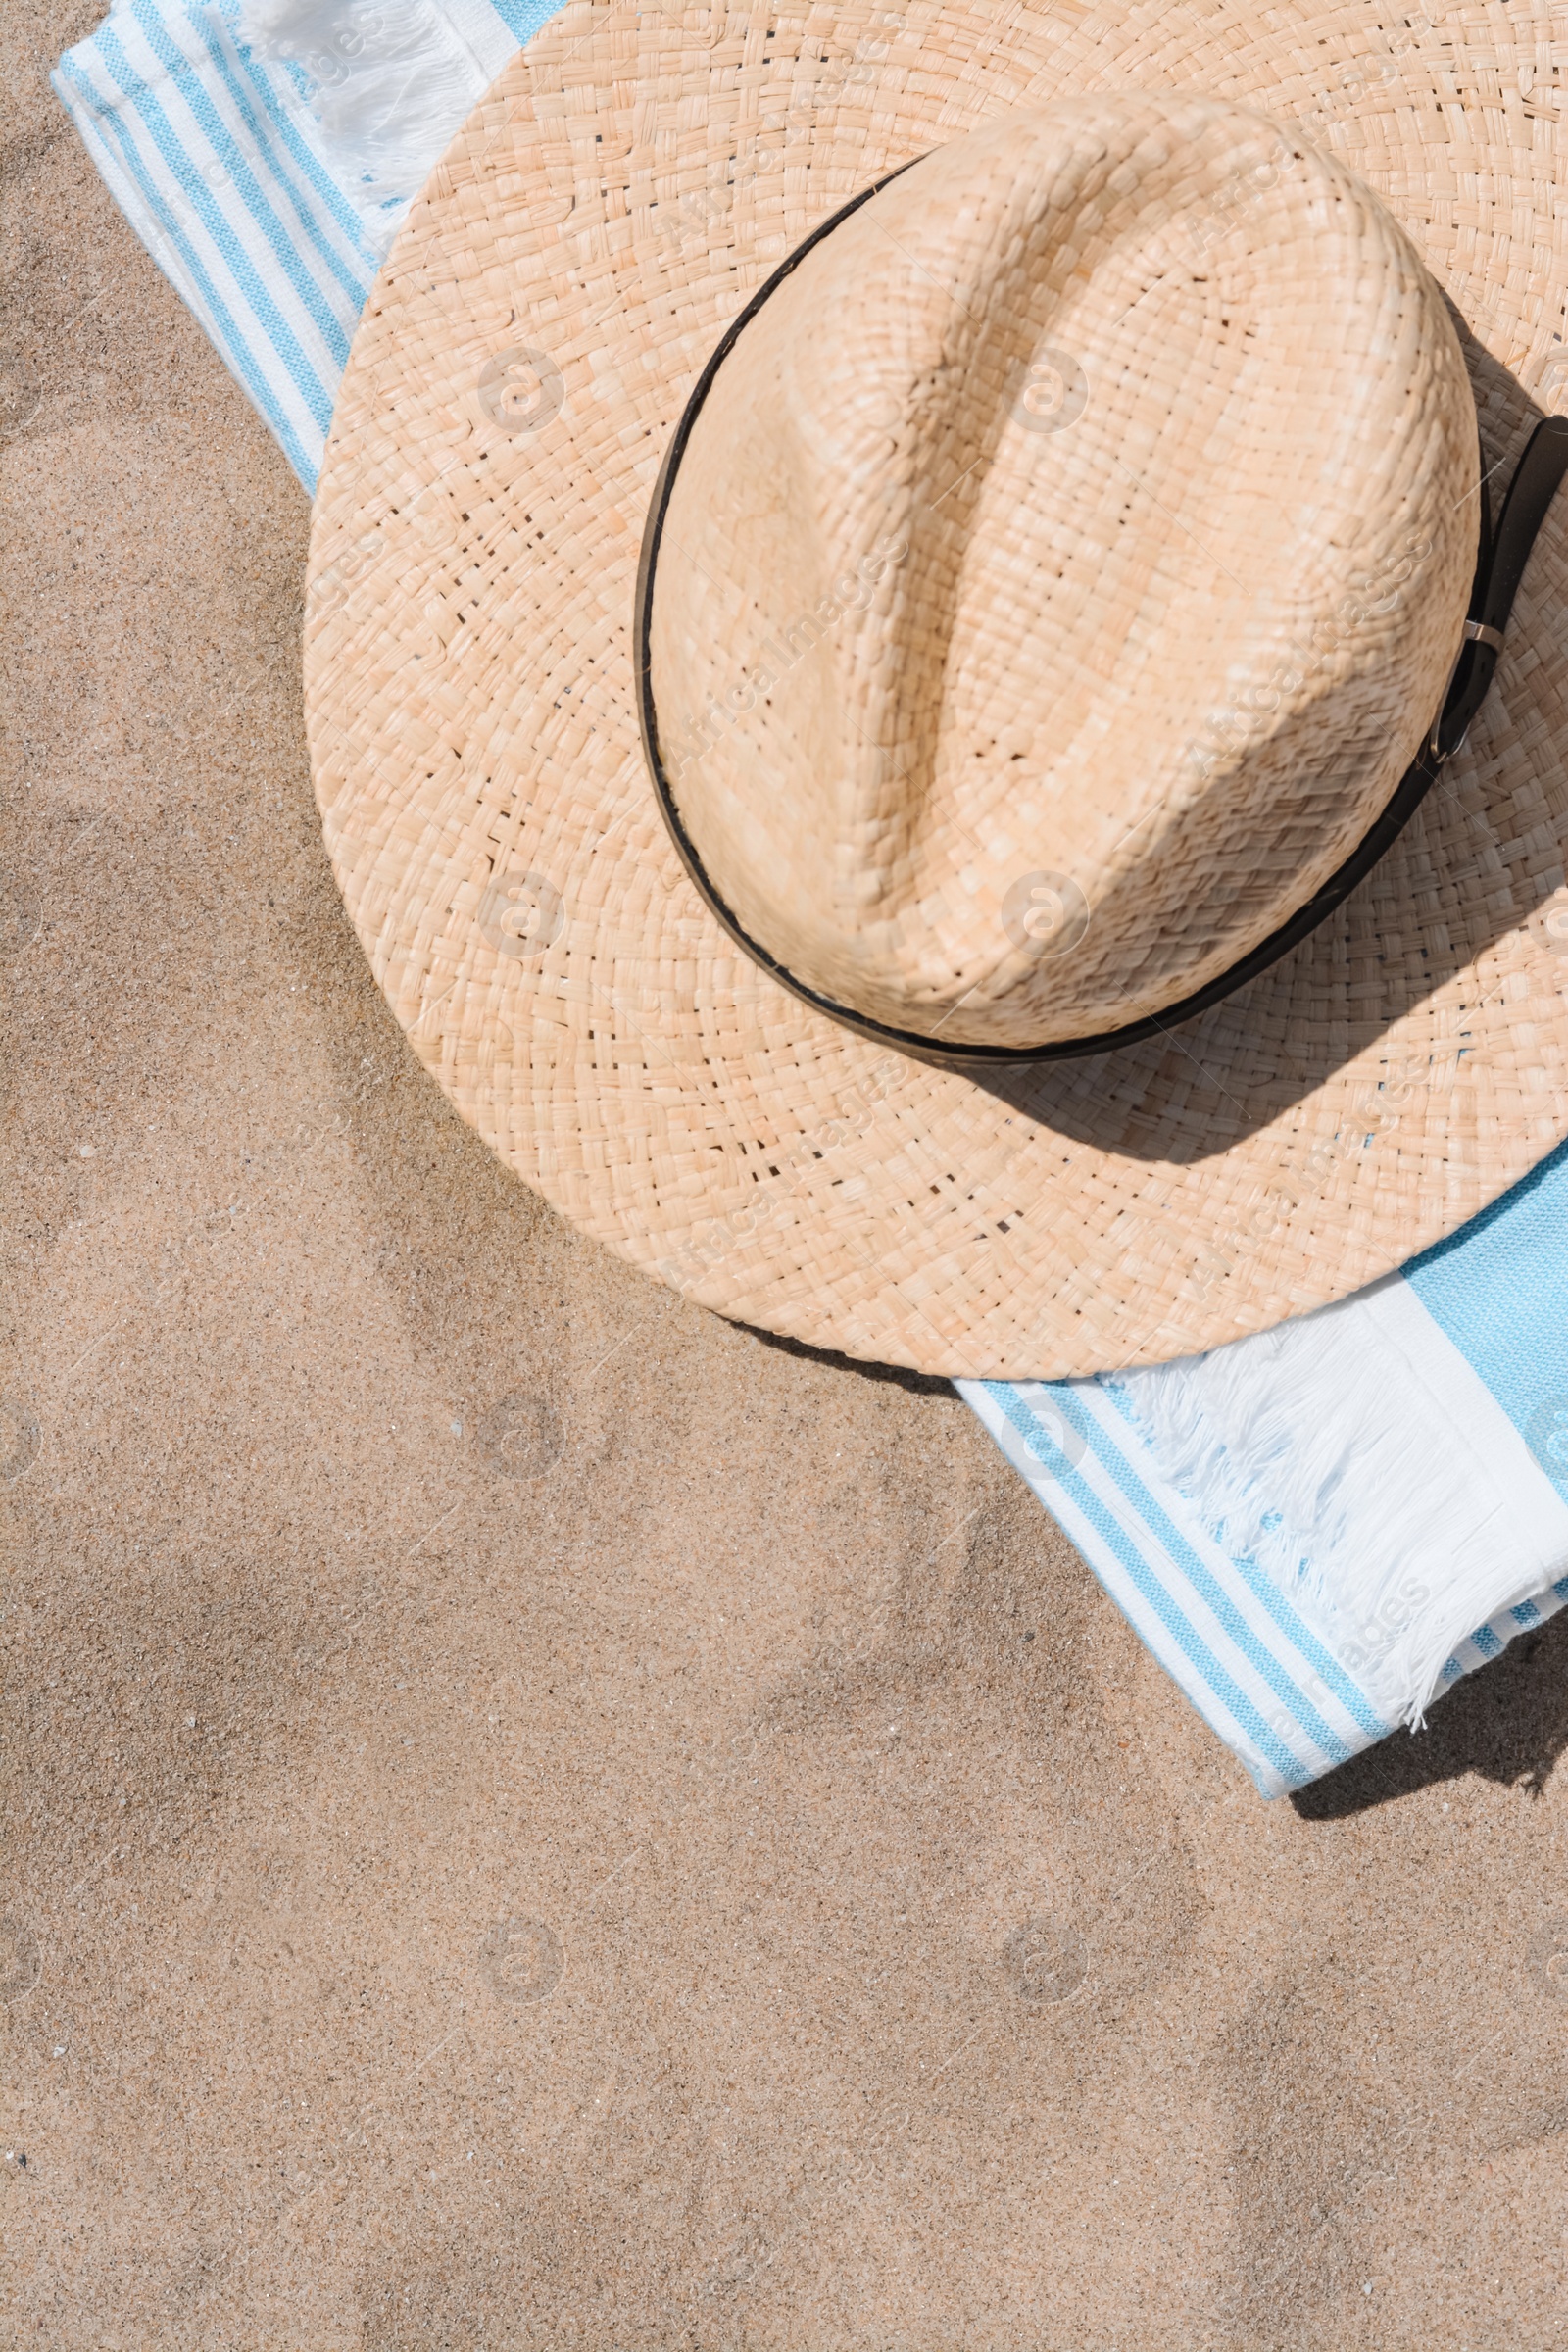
x: 609, y: 207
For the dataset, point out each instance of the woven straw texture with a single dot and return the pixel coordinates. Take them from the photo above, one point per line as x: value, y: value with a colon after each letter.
x: 871, y: 767
x: 611, y: 204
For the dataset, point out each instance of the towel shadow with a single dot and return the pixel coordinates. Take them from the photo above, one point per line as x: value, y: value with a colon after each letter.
x: 1219, y: 1078
x: 1508, y: 1722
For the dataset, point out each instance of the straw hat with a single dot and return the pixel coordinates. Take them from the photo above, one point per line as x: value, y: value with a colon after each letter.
x: 915, y: 912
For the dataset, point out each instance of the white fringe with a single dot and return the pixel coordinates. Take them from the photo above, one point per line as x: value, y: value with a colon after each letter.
x: 1374, y: 1487
x: 386, y: 84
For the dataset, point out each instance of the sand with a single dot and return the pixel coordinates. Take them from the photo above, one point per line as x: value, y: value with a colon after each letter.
x: 536, y: 1817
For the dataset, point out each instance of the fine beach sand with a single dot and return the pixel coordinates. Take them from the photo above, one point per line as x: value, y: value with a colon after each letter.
x: 535, y: 1817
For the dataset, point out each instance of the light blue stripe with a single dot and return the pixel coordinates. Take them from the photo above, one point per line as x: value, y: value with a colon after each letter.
x: 1487, y: 1642
x: 279, y: 133
x: 1261, y: 1586
x: 1160, y: 1599
x: 110, y: 120
x: 320, y: 179
x: 1498, y: 1288
x: 1526, y: 1613
x: 267, y: 317
x: 523, y: 18
x: 1274, y: 1670
x: 228, y: 151
x: 1265, y: 1662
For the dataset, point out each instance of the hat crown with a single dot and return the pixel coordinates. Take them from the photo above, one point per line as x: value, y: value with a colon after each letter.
x: 1066, y: 563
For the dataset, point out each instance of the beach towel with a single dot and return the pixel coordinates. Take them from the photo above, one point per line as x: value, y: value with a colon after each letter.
x: 1316, y: 1531
x: 265, y: 152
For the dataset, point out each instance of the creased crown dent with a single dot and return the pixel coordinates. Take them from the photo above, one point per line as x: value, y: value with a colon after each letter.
x: 1096, y: 503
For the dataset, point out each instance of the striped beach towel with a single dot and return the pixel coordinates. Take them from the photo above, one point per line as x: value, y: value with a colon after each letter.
x: 1316, y: 1531
x: 265, y: 152
x: 1319, y: 1530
